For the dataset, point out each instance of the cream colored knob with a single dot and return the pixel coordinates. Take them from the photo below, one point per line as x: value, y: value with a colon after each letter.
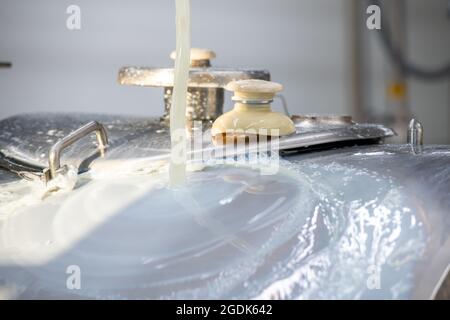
x: 252, y: 114
x: 254, y: 89
x: 199, y: 57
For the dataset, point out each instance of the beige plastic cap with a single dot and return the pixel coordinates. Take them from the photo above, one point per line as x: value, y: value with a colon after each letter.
x: 254, y: 89
x: 197, y: 54
x: 243, y: 119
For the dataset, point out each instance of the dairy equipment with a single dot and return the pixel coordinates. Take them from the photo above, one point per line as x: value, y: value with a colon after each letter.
x: 205, y: 88
x: 252, y: 112
x: 342, y: 215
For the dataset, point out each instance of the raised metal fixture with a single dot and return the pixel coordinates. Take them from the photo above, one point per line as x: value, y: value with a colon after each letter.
x: 54, y: 158
x: 415, y: 136
x: 202, y: 103
x: 205, y: 97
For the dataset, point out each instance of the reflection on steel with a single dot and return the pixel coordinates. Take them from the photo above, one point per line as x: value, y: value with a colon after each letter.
x: 415, y: 136
x: 303, y: 141
x: 131, y: 137
x: 198, y: 77
x: 392, y: 204
x: 205, y: 86
x: 321, y: 120
x: 202, y: 103
x: 54, y: 160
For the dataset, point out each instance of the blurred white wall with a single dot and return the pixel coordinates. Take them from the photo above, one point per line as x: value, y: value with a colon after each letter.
x: 306, y: 44
x: 427, y: 46
x: 55, y: 69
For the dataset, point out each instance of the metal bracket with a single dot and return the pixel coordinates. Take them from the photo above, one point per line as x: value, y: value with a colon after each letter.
x: 54, y: 158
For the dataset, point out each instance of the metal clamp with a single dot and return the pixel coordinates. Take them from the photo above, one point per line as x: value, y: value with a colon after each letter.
x: 54, y: 158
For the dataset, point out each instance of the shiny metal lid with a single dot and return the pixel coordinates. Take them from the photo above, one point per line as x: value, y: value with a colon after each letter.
x: 201, y: 75
x: 198, y: 77
x: 205, y: 85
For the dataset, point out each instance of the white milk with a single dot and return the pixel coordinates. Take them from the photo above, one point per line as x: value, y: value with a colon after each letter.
x: 177, y: 170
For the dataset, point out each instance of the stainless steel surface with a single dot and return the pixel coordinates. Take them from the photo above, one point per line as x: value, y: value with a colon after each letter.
x: 415, y: 135
x: 363, y: 205
x: 54, y: 158
x: 198, y: 77
x: 359, y: 207
x: 205, y: 86
x: 424, y: 179
x: 317, y: 120
x: 202, y: 103
x: 27, y: 139
x: 323, y: 137
x: 328, y: 134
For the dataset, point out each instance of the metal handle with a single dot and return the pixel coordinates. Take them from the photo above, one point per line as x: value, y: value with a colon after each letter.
x: 54, y: 158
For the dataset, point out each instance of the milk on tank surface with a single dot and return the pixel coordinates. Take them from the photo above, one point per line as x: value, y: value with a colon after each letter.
x: 204, y: 204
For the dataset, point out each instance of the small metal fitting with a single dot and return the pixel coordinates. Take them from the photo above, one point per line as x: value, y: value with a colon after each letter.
x: 415, y: 136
